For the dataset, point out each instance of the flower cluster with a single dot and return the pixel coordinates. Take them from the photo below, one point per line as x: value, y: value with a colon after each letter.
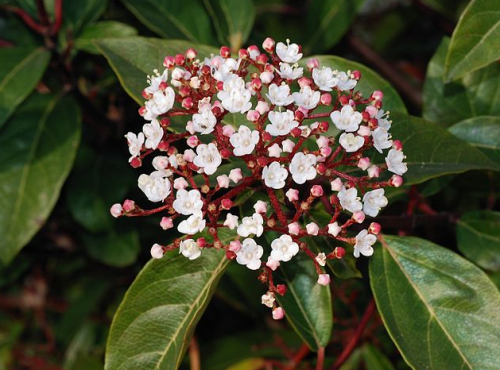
x: 299, y: 133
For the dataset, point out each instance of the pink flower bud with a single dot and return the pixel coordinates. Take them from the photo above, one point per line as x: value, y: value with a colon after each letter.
x: 344, y: 100
x: 166, y: 223
x: 336, y: 184
x: 278, y: 313
x: 190, y: 127
x: 356, y: 75
x: 116, y: 210
x: 288, y: 145
x: 262, y: 59
x: 322, y: 141
x: 312, y: 63
x: 243, y: 54
x: 226, y: 204
x: 316, y: 191
x: 281, y: 289
x: 326, y: 151
x: 262, y: 107
x: 180, y: 183
x: 253, y: 51
x: 253, y: 116
x: 225, y: 52
x: 169, y: 61
x: 193, y: 141
x: 326, y: 99
x: 375, y: 228
x: 373, y: 171
x: 266, y: 77
x: 378, y: 95
x: 201, y: 242
x: 371, y: 110
x: 228, y: 130
x: 397, y: 144
x: 274, y: 151
x: 292, y: 194
x: 177, y: 74
x: 235, y: 246
x: 223, y: 181
x: 128, y: 205
x: 189, y: 155
x: 396, y: 181
x: 187, y: 103
x: 304, y: 81
x: 235, y: 175
x: 324, y: 279
x: 272, y: 263
x: 358, y: 216
x: 180, y: 59
x: 364, y: 131
x: 191, y: 54
x: 312, y: 228
x: 157, y: 251
x: 339, y: 252
x: 136, y: 162
x: 256, y: 84
x: 260, y: 207
x: 334, y: 229
x: 294, y: 228
x: 364, y: 163
x: 268, y: 44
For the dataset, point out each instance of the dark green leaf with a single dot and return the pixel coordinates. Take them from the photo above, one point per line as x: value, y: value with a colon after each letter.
x: 174, y: 19
x: 476, y: 39
x: 118, y: 247
x: 482, y: 132
x: 375, y: 360
x: 440, y: 310
x: 445, y: 153
x: 21, y: 70
x: 473, y: 95
x: 307, y: 304
x: 102, y: 30
x: 39, y: 145
x: 478, y: 237
x: 78, y: 14
x: 156, y: 319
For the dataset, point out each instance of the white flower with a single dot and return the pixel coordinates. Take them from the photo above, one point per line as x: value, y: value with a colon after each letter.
x: 383, y: 120
x: 288, y: 53
x: 280, y: 95
x: 251, y: 225
x: 187, y: 202
x: 290, y: 73
x: 135, y: 143
x: 204, y: 121
x: 268, y: 299
x: 244, y: 141
x: 250, y: 254
x: 284, y: 248
x: 160, y: 103
x: 154, y: 133
x: 364, y: 242
x: 307, y: 98
x: 194, y: 224
x: 160, y: 163
x: 373, y: 201
x: 155, y: 81
x: 157, y: 251
x: 235, y: 175
x: 381, y: 139
x: 349, y: 199
x: 351, y: 142
x: 274, y: 175
x: 155, y: 188
x: 345, y: 83
x: 324, y: 78
x: 347, y: 119
x: 274, y: 151
x: 395, y: 162
x: 208, y: 158
x: 281, y: 123
x: 288, y: 146
x: 321, y: 259
x: 302, y: 167
x: 334, y: 229
x: 190, y: 249
x: 234, y: 96
x: 231, y: 221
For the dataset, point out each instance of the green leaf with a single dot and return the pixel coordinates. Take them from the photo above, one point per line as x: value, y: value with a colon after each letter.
x: 473, y: 95
x: 307, y: 305
x: 482, y: 132
x: 173, y: 19
x: 118, y: 247
x: 102, y: 30
x: 432, y: 151
x: 133, y: 59
x: 476, y: 39
x: 439, y: 309
x: 78, y: 14
x: 327, y: 21
x: 152, y: 327
x: 375, y: 360
x: 370, y: 81
x: 39, y: 145
x: 233, y: 20
x: 478, y: 237
x: 21, y: 70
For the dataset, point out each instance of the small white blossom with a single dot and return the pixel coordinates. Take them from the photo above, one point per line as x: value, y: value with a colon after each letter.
x: 234, y: 95
x: 345, y: 82
x: 281, y: 123
x: 381, y: 139
x: 157, y: 251
x: 231, y: 221
x: 395, y: 162
x: 274, y: 175
x: 194, y: 224
x: 288, y: 53
x: 274, y: 151
x: 154, y: 133
x: 155, y: 81
x: 260, y: 207
x: 250, y: 254
x: 288, y: 145
x: 160, y: 103
x: 364, y: 242
x: 302, y: 167
x: 160, y: 162
x: 284, y: 248
x: 373, y: 201
x: 383, y: 120
x: 347, y: 119
x: 190, y: 249
x: 187, y: 202
x: 155, y: 188
x: 324, y: 78
x: 280, y: 95
x: 268, y: 299
x: 289, y: 72
x: 349, y: 199
x: 204, y: 121
x: 351, y: 142
x: 251, y: 225
x: 307, y: 98
x: 334, y: 229
x: 235, y: 175
x: 244, y: 141
x: 208, y: 158
x: 135, y: 143
x: 321, y: 259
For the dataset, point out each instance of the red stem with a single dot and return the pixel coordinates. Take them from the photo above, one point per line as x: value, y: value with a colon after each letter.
x: 30, y: 22
x: 277, y: 207
x: 321, y: 358
x: 58, y: 17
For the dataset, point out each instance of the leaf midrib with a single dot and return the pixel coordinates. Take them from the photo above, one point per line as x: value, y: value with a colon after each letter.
x: 19, y: 66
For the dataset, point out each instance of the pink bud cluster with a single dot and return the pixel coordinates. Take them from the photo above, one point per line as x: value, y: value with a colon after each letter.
x: 304, y: 135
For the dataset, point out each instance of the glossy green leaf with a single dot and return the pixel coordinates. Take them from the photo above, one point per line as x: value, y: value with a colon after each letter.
x: 152, y: 327
x: 370, y: 81
x: 39, y: 145
x: 133, y: 59
x: 78, y: 14
x: 439, y: 309
x: 22, y: 68
x: 102, y: 30
x: 117, y: 247
x: 174, y: 19
x: 478, y: 237
x: 327, y: 21
x: 233, y: 20
x: 473, y: 95
x: 307, y: 304
x: 375, y: 360
x: 476, y: 39
x: 432, y: 151
x: 482, y: 132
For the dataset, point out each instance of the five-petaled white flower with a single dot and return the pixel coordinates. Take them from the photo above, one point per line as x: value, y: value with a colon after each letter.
x: 208, y: 158
x: 302, y: 167
x: 324, y: 78
x: 160, y: 103
x: 280, y: 95
x: 154, y: 133
x: 349, y: 199
x: 373, y: 201
x: 190, y: 249
x: 204, y: 121
x: 155, y: 81
x: 135, y: 143
x: 231, y: 221
x: 347, y: 119
x: 381, y: 139
x: 289, y: 72
x: 289, y: 53
x: 251, y: 225
x: 250, y: 254
x: 188, y: 202
x: 234, y: 95
x: 351, y: 142
x: 274, y: 175
x: 284, y: 248
x: 155, y: 188
x: 395, y: 162
x: 307, y: 98
x: 364, y: 242
x: 244, y: 141
x: 345, y: 82
x: 281, y: 123
x: 194, y: 224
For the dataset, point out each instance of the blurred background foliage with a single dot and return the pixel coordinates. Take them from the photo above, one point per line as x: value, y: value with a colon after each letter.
x: 60, y: 176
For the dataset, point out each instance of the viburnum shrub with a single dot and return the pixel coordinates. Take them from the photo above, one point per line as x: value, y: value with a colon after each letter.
x: 305, y: 135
